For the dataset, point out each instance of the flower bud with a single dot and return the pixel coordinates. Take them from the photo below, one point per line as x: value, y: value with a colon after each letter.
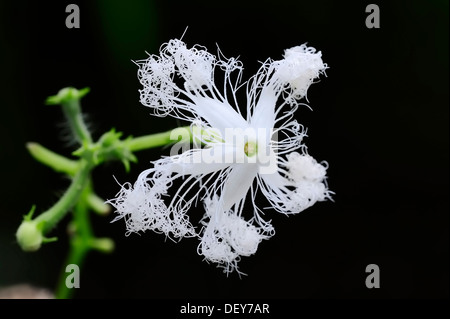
x: 29, y: 236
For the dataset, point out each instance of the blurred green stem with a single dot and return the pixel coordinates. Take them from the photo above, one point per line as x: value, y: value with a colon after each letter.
x: 57, y: 162
x: 81, y: 240
x: 52, y: 216
x: 159, y: 139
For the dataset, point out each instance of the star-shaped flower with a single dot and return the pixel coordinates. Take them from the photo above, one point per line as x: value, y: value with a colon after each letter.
x: 236, y: 154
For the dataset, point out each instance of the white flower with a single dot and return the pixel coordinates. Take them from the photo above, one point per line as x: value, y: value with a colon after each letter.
x: 241, y: 153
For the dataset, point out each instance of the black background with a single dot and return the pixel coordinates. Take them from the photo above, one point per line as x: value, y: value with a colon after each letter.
x: 380, y: 119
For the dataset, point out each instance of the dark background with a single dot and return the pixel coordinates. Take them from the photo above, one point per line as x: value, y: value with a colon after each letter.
x: 380, y: 119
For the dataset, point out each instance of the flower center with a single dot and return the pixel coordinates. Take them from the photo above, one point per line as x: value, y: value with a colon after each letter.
x: 250, y: 149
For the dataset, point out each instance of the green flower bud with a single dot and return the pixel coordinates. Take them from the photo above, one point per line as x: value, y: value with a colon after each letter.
x: 29, y: 235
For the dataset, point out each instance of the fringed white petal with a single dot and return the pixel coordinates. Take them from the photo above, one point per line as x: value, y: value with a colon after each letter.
x: 227, y: 236
x: 200, y: 161
x: 305, y: 168
x: 143, y: 208
x: 219, y: 115
x: 303, y: 184
x: 195, y: 65
x: 300, y: 66
x: 238, y: 184
x: 197, y: 98
x: 263, y: 115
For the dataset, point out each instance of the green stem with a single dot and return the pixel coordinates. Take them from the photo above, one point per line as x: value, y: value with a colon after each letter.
x: 81, y: 216
x: 159, y: 139
x: 53, y: 160
x: 97, y: 204
x: 79, y: 243
x: 52, y: 216
x: 76, y: 256
x: 72, y: 111
x: 82, y: 241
